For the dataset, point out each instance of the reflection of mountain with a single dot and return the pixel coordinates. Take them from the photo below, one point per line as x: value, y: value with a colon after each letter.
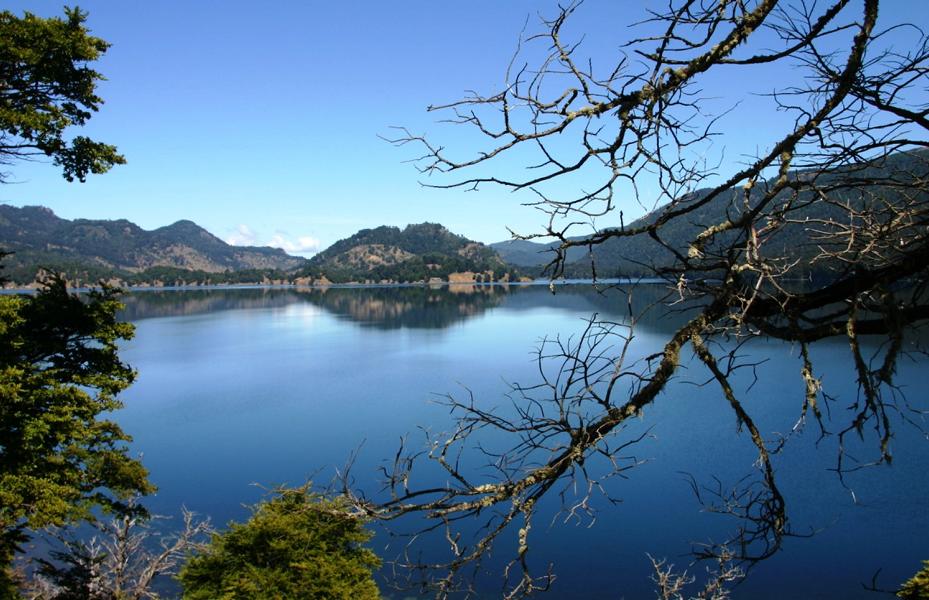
x: 651, y: 303
x: 380, y: 307
x: 176, y: 303
x: 418, y: 307
x: 415, y: 307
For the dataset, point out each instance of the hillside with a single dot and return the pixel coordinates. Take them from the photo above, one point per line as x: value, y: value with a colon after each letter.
x: 641, y: 255
x: 94, y: 248
x: 416, y: 253
x: 523, y: 253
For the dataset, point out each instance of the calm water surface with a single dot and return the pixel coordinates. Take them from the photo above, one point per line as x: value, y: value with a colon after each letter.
x: 245, y: 388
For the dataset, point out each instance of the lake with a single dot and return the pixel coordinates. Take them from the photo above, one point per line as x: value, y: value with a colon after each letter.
x: 240, y: 390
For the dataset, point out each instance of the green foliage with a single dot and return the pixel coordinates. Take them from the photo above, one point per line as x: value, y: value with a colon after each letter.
x: 917, y: 587
x: 177, y: 276
x: 59, y: 372
x: 296, y: 545
x: 48, y: 87
x: 417, y: 239
x: 436, y: 252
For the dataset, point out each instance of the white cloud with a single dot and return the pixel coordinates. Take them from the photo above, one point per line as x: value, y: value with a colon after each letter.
x: 243, y: 236
x: 301, y: 245
x: 304, y: 244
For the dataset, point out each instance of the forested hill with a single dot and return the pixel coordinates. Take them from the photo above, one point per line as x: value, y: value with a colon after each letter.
x: 415, y: 253
x: 94, y: 248
x: 640, y: 255
x: 523, y: 253
x: 184, y: 253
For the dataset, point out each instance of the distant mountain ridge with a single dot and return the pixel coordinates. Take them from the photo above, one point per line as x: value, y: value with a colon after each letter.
x: 641, y: 255
x: 38, y: 237
x: 524, y: 253
x: 184, y: 253
x: 419, y: 252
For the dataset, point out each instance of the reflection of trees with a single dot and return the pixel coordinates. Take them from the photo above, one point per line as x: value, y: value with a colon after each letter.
x: 179, y: 303
x: 415, y: 307
x: 380, y: 307
x: 392, y: 307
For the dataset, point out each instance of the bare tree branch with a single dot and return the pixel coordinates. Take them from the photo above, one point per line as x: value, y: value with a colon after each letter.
x: 823, y: 233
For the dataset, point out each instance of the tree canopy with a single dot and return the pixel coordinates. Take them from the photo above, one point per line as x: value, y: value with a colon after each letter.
x: 59, y: 368
x: 295, y: 545
x: 916, y: 587
x: 59, y: 374
x: 46, y: 86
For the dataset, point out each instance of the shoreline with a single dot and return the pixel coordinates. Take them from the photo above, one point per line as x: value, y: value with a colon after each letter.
x: 434, y: 285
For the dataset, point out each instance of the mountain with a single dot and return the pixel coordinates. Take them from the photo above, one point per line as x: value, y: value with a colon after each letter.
x: 523, y: 253
x: 416, y: 253
x: 40, y: 238
x: 640, y: 255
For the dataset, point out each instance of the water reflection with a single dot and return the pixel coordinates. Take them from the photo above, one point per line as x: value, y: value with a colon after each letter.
x: 145, y: 304
x: 280, y: 385
x: 407, y: 307
x: 419, y: 307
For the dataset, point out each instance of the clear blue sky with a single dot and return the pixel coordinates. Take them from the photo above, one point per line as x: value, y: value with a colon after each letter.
x: 260, y: 121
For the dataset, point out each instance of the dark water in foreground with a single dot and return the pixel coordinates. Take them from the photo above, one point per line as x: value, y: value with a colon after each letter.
x: 272, y: 386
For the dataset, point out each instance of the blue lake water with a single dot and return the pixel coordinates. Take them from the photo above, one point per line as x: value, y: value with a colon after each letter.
x: 277, y: 386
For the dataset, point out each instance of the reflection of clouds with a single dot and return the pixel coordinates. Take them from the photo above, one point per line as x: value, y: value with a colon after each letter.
x: 300, y: 312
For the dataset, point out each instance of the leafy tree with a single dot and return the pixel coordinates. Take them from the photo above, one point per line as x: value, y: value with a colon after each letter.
x: 296, y: 545
x: 916, y: 587
x: 59, y: 368
x: 46, y: 87
x: 59, y: 372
